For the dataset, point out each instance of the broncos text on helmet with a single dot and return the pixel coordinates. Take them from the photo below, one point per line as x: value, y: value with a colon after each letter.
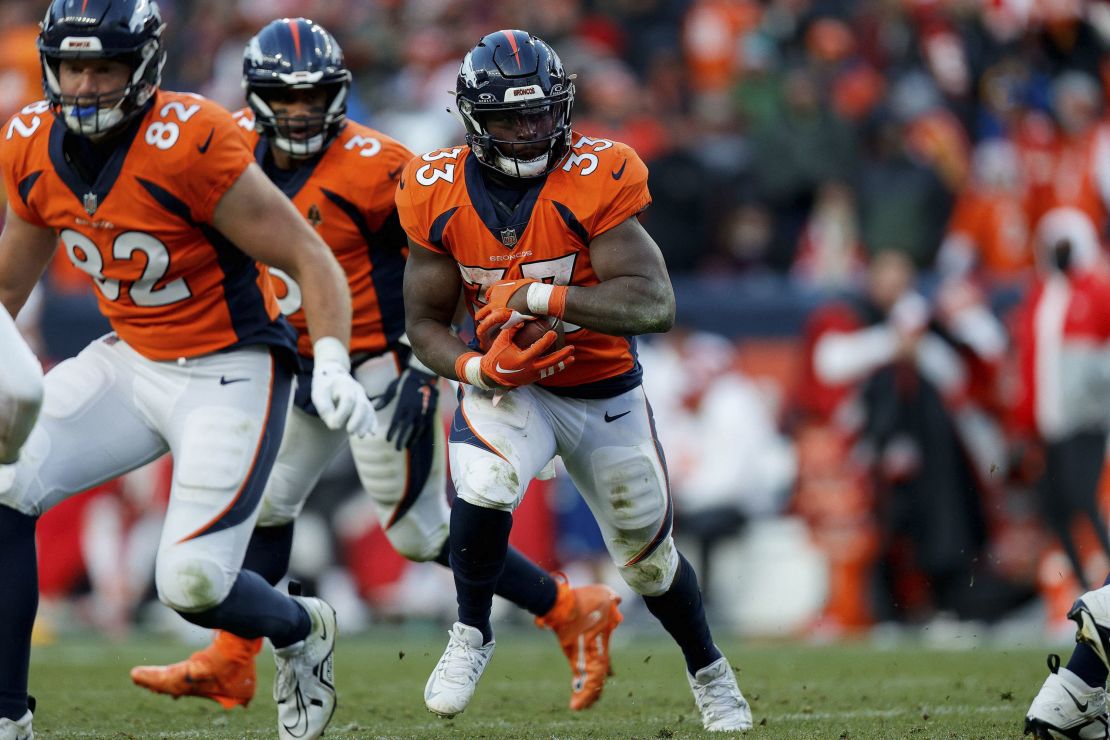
x: 293, y: 54
x: 515, y: 100
x: 128, y: 31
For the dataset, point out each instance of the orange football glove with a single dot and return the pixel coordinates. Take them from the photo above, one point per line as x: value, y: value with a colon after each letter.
x: 499, y: 294
x: 494, y: 320
x: 510, y: 366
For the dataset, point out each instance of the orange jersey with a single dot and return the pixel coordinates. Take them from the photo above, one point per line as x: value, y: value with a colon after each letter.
x: 170, y: 285
x: 347, y: 195
x: 445, y: 207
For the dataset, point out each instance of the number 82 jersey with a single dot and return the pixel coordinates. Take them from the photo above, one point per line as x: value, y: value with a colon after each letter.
x: 444, y: 206
x: 168, y: 282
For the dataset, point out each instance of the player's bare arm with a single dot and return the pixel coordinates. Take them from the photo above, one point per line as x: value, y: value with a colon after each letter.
x: 261, y: 221
x: 432, y: 285
x: 634, y: 295
x: 25, y: 251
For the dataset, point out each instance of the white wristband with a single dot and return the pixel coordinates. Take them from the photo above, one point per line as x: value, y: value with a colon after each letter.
x: 330, y: 349
x: 538, y: 297
x: 473, y: 371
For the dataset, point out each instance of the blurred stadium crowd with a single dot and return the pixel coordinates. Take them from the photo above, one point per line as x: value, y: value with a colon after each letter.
x: 885, y: 220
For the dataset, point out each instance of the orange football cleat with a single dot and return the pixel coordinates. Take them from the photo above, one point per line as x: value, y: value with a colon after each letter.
x: 223, y: 672
x: 583, y: 618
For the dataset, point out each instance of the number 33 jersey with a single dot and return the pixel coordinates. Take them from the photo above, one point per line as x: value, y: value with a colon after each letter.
x: 170, y: 284
x: 346, y: 193
x: 445, y: 206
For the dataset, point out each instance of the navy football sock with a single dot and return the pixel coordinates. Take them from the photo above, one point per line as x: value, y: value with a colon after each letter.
x: 17, y: 608
x: 479, y: 542
x: 253, y: 609
x: 522, y: 582
x: 268, y: 552
x: 444, y: 557
x: 682, y: 615
x: 526, y: 584
x: 1086, y: 664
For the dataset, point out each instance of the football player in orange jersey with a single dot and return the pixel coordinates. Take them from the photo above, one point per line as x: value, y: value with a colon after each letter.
x: 341, y: 176
x: 534, y: 219
x: 155, y: 195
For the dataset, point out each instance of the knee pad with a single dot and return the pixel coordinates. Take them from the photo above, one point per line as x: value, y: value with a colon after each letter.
x: 189, y: 581
x: 630, y: 487
x: 653, y: 575
x: 485, y: 479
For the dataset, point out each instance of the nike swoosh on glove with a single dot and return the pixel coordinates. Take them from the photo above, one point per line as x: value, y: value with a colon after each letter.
x: 339, y: 399
x: 510, y: 366
x: 416, y: 394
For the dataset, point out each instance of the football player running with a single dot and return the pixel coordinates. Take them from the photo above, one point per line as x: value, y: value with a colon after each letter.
x: 342, y: 176
x: 532, y: 218
x: 157, y: 198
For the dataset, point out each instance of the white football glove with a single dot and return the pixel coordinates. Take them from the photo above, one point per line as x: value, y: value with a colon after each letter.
x: 339, y: 399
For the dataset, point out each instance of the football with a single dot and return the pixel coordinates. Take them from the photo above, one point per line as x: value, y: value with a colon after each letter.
x: 531, y: 332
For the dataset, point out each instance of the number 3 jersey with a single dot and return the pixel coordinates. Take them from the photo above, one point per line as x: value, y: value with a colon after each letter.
x: 444, y: 206
x: 346, y: 193
x: 168, y: 282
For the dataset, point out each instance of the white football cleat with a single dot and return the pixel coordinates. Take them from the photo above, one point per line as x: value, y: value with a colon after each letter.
x: 452, y: 683
x: 723, y: 708
x: 1091, y: 614
x: 20, y: 729
x: 304, y: 687
x: 1066, y: 707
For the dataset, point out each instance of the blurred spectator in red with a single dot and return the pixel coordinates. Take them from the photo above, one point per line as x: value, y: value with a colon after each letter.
x: 1062, y: 333
x: 911, y: 373
x: 988, y: 234
x: 1070, y: 164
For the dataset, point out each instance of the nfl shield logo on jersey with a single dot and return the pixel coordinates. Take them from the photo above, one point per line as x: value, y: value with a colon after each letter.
x: 91, y: 203
x: 508, y: 237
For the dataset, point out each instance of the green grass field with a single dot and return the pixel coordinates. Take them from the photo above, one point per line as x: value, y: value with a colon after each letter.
x: 796, y: 691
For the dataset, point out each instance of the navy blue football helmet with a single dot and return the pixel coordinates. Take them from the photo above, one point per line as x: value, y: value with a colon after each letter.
x: 128, y: 31
x: 296, y: 54
x: 515, y: 81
